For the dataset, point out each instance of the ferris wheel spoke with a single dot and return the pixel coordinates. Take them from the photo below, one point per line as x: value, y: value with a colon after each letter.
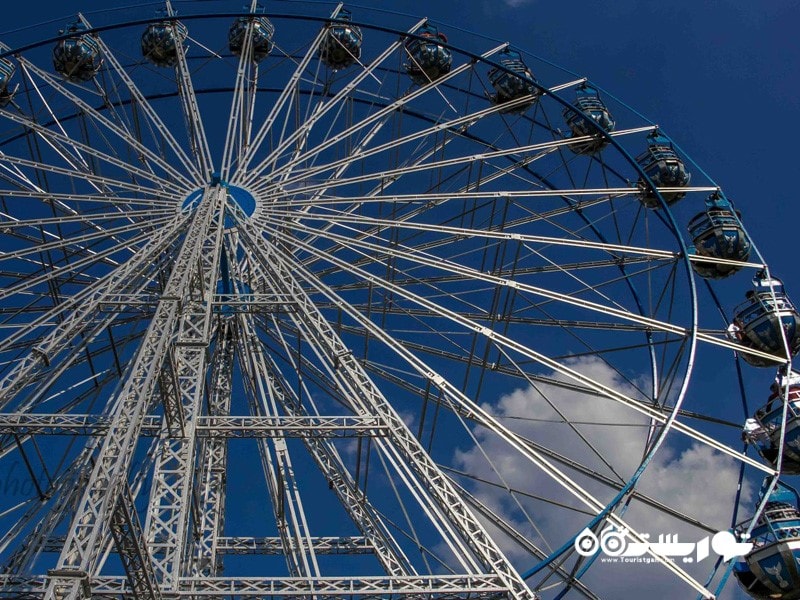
x: 59, y: 141
x: 522, y: 541
x: 34, y: 300
x: 237, y: 137
x: 192, y: 115
x: 63, y: 487
x: 568, y: 324
x: 80, y: 175
x: 69, y: 157
x: 154, y: 119
x: 453, y: 233
x: 76, y: 357
x: 27, y: 426
x: 574, y: 489
x: 290, y: 88
x: 145, y: 216
x: 320, y: 111
x: 587, y: 444
x: 511, y: 319
x: 407, y: 277
x: 83, y: 263
x: 381, y: 116
x: 332, y: 466
x: 97, y: 117
x: 426, y: 198
x: 130, y: 203
x: 40, y: 267
x: 471, y: 275
x: 48, y: 377
x: 278, y: 332
x: 609, y: 482
x: 85, y: 353
x: 294, y: 113
x: 76, y: 241
x: 85, y: 218
x: 540, y: 149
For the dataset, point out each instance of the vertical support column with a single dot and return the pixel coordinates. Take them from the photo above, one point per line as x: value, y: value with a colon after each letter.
x: 213, y: 460
x: 170, y: 495
x: 127, y: 532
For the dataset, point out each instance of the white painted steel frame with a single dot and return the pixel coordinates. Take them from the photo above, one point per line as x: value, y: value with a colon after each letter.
x: 197, y: 333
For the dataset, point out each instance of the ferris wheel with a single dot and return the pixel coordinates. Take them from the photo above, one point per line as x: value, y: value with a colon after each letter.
x: 327, y: 302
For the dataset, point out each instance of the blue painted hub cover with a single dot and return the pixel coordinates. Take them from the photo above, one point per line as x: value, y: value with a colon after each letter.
x: 237, y: 196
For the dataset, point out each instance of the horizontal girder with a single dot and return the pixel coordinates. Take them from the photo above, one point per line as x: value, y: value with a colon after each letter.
x: 268, y: 545
x: 432, y: 586
x: 212, y: 427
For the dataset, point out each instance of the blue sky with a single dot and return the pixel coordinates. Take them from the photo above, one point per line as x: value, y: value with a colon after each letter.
x: 721, y: 78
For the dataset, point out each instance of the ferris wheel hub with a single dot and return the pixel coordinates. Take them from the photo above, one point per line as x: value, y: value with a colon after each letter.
x: 240, y: 200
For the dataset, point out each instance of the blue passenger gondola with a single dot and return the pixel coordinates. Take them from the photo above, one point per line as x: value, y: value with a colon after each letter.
x: 6, y: 73
x: 764, y: 429
x: 513, y: 82
x: 717, y: 233
x: 427, y: 58
x: 77, y: 57
x: 771, y: 570
x: 160, y: 42
x: 767, y: 321
x: 590, y: 109
x: 341, y: 45
x: 261, y: 38
x: 661, y: 164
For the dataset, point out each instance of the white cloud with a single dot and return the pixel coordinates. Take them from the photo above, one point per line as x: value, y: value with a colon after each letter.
x: 693, y: 479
